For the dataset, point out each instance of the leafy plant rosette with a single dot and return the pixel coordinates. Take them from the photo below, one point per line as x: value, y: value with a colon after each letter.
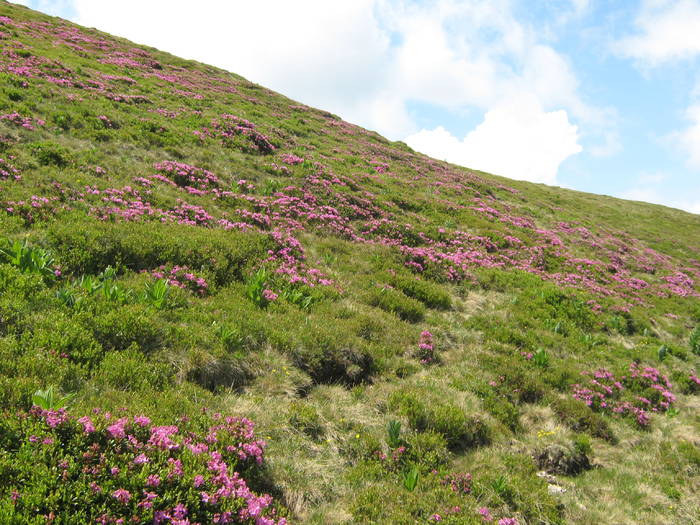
x: 108, y: 469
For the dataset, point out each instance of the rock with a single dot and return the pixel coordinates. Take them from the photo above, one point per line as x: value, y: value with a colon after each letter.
x: 557, y: 459
x: 555, y: 489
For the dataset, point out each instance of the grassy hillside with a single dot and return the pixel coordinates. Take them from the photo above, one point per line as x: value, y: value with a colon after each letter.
x: 219, y: 305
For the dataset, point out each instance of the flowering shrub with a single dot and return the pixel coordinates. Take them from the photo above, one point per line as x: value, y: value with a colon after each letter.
x: 8, y: 171
x: 291, y: 159
x: 426, y: 350
x: 459, y: 482
x: 229, y: 128
x: 187, y: 176
x: 182, y: 277
x: 23, y: 122
x: 107, y: 469
x: 638, y: 394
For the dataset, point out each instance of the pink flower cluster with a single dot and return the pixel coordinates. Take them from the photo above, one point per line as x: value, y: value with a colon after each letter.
x: 181, y: 277
x: 106, y: 122
x: 228, y: 127
x: 8, y: 171
x: 291, y: 159
x: 187, y: 176
x: 180, y: 462
x: 647, y: 391
x: 24, y: 122
x: 426, y: 350
x: 269, y: 295
x: 459, y: 482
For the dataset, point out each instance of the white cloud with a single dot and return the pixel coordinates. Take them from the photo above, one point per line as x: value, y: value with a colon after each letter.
x: 668, y: 30
x: 367, y: 59
x: 519, y: 140
x: 325, y: 53
x: 688, y: 139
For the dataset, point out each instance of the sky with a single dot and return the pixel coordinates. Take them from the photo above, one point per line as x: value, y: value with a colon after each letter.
x: 600, y: 96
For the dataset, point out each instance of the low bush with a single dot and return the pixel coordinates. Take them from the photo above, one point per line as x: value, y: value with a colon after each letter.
x: 579, y: 418
x: 459, y: 430
x: 126, y: 468
x: 430, y: 294
x: 305, y: 419
x: 396, y: 302
x: 94, y: 245
x: 130, y: 370
x: 694, y: 341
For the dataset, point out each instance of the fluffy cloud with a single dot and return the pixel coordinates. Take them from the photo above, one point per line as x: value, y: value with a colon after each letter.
x: 325, y: 53
x: 688, y: 139
x: 519, y: 140
x: 367, y: 60
x: 667, y: 30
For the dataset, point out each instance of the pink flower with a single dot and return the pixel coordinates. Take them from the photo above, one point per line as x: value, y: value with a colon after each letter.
x: 142, y: 421
x: 485, y: 514
x: 88, y: 427
x: 269, y: 295
x: 121, y: 495
x: 153, y: 480
x: 179, y: 511
x: 117, y: 429
x: 141, y: 459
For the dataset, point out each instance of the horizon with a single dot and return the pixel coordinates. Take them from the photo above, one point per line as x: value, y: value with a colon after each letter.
x: 581, y: 96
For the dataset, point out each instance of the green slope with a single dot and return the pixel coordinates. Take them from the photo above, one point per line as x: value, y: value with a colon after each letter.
x: 184, y: 245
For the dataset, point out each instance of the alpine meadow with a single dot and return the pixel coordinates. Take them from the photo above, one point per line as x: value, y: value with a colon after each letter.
x: 218, y: 305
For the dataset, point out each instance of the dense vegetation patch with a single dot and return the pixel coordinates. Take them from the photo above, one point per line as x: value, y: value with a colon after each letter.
x: 415, y: 342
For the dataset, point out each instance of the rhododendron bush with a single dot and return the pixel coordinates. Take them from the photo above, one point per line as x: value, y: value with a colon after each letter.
x: 116, y: 468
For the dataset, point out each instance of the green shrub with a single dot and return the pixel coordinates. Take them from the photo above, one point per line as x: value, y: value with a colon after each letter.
x: 130, y: 370
x: 430, y: 294
x: 93, y: 245
x: 304, y: 418
x: 516, y: 382
x: 427, y: 449
x: 216, y: 370
x: 396, y: 302
x: 579, y: 418
x: 50, y: 154
x: 21, y: 296
x: 694, y: 341
x: 118, y: 329
x: 459, y: 430
x: 504, y: 411
x: 66, y: 337
x: 335, y: 364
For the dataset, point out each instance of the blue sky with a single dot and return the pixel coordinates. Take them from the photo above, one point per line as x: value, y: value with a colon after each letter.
x: 595, y: 95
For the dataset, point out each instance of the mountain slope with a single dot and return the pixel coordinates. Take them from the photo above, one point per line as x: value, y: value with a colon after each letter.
x: 197, y: 242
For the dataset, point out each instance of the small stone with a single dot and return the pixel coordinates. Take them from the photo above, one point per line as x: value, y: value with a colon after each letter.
x: 555, y: 489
